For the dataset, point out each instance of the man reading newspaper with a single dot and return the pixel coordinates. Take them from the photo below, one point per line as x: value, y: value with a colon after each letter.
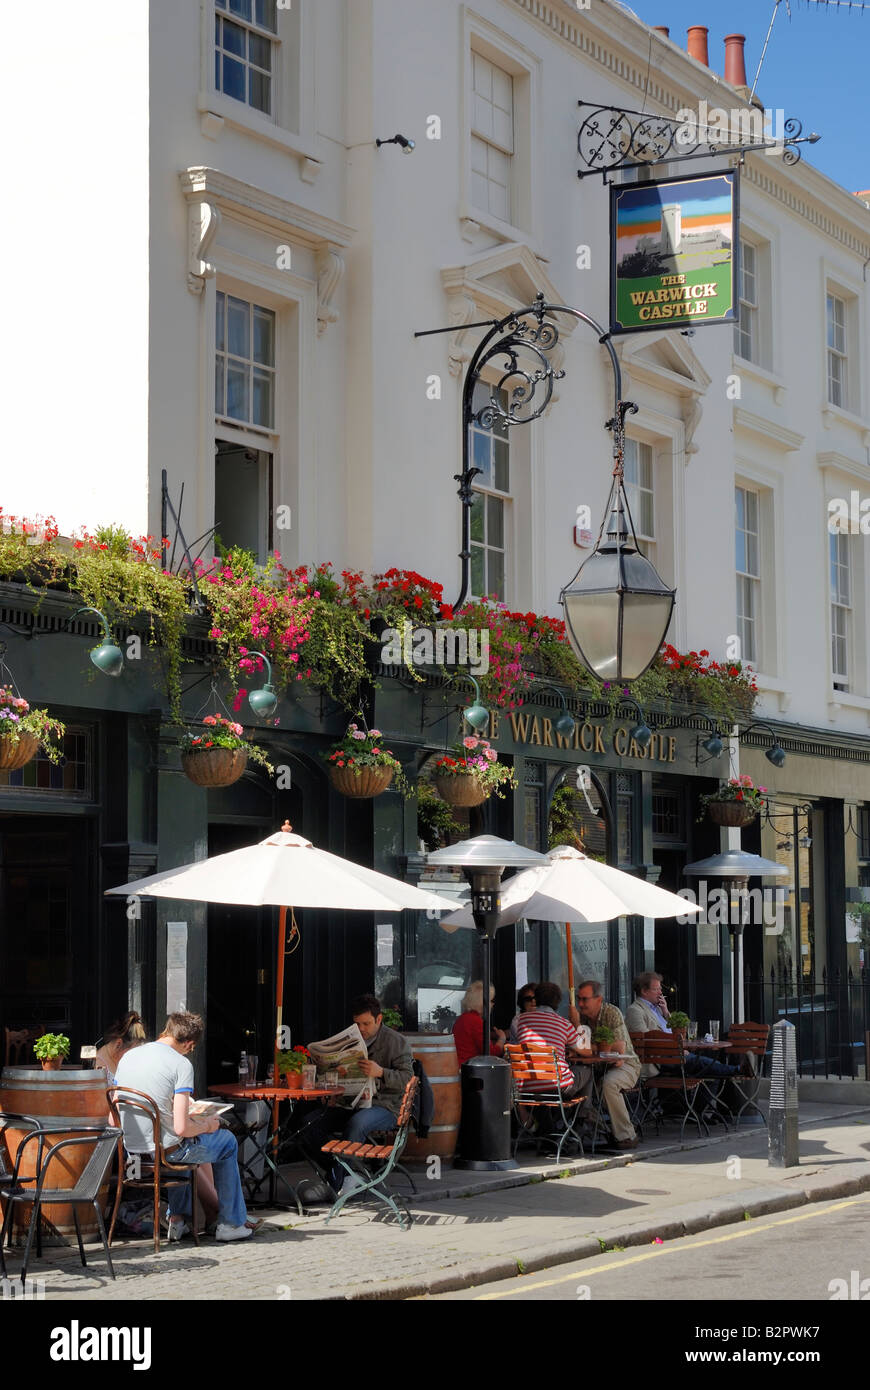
x: 388, y: 1069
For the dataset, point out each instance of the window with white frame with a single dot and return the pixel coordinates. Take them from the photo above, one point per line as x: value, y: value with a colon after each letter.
x: 245, y: 371
x: 746, y: 332
x: 838, y: 360
x: 244, y: 362
x: 491, y: 503
x: 639, y: 474
x: 748, y: 566
x: 841, y: 610
x: 246, y: 51
x: 492, y: 138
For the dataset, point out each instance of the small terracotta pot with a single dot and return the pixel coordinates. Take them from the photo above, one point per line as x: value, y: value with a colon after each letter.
x: 293, y: 1080
x: 52, y: 1063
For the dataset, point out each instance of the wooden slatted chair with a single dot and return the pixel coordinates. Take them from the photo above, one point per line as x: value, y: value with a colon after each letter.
x: 748, y: 1041
x: 377, y: 1160
x: 142, y: 1170
x: 537, y: 1064
x: 666, y: 1050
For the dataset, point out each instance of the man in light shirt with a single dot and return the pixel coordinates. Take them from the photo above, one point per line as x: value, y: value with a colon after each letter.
x: 650, y: 1012
x: 163, y: 1070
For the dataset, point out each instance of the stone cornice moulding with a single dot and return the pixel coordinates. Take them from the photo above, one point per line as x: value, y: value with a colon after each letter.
x: 777, y: 435
x: 217, y: 110
x: 469, y: 298
x: 245, y: 202
x: 606, y: 39
x: 835, y: 465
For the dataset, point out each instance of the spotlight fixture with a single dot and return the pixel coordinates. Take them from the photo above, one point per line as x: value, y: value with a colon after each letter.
x: 106, y: 657
x: 477, y: 715
x: 264, y: 701
x: 641, y: 733
x: 774, y: 754
x: 407, y: 145
x: 565, y: 724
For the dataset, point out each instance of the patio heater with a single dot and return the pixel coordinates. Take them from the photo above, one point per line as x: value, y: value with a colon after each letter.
x: 734, y: 868
x: 486, y: 1134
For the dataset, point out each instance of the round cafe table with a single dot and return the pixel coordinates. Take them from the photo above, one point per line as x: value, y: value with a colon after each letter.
x: 273, y: 1096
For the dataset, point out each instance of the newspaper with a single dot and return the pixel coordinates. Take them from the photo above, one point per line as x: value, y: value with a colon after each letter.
x: 343, y: 1053
x: 207, y: 1109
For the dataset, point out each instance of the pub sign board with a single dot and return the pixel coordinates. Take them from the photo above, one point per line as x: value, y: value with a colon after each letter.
x: 674, y: 245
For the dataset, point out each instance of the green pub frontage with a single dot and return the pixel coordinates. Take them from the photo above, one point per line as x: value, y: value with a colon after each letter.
x: 119, y: 807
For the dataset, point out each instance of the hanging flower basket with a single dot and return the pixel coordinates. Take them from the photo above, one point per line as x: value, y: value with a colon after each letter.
x: 14, y: 754
x: 217, y: 755
x: 733, y: 813
x: 360, y: 767
x: 361, y: 784
x: 214, y: 767
x: 460, y: 789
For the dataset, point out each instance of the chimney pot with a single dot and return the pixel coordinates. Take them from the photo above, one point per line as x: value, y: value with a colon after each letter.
x: 735, y: 64
x: 697, y: 36
x: 662, y: 29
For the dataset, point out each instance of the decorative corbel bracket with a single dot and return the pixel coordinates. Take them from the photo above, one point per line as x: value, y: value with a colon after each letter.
x: 463, y: 310
x: 203, y: 221
x: 330, y: 269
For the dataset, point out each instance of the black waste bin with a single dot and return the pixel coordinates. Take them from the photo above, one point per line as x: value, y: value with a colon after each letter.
x: 485, y: 1128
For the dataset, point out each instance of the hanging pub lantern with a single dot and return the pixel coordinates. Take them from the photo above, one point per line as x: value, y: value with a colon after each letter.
x: 617, y: 607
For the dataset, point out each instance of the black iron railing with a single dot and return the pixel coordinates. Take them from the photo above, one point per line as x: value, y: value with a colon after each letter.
x: 830, y: 1013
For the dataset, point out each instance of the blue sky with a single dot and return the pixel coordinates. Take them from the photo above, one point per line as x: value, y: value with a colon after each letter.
x: 817, y: 68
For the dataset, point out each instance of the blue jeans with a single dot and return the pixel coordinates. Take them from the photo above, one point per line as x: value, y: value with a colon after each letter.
x: 222, y: 1152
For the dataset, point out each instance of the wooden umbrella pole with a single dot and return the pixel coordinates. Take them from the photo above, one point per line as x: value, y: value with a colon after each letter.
x: 279, y: 1017
x: 570, y: 964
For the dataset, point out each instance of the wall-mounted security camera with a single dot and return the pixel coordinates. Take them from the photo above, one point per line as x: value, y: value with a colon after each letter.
x: 406, y: 144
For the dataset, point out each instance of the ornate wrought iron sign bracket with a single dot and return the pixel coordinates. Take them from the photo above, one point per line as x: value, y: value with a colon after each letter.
x: 612, y: 138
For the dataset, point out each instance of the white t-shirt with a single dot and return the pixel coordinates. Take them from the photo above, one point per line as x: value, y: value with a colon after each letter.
x: 161, y: 1072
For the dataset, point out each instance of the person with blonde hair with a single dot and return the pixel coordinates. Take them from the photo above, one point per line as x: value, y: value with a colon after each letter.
x: 119, y: 1037
x: 468, y: 1028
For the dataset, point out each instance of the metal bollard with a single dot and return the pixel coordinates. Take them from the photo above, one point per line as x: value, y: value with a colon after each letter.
x: 782, y: 1150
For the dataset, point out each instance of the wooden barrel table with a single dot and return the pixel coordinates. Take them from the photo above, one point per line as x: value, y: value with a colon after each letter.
x: 437, y: 1054
x: 66, y: 1101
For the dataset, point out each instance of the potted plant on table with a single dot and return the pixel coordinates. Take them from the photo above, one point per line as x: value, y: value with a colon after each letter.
x: 290, y: 1066
x: 602, y: 1038
x: 678, y: 1022
x: 217, y: 755
x: 361, y: 767
x: 51, y: 1049
x: 735, y: 803
x: 471, y: 772
x: 23, y: 730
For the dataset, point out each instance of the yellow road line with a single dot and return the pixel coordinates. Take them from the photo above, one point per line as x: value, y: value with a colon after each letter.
x: 669, y: 1249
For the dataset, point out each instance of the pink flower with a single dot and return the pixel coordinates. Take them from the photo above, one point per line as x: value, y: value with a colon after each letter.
x: 209, y: 719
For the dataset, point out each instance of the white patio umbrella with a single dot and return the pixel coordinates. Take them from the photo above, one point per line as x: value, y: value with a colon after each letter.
x: 284, y: 871
x: 574, y: 888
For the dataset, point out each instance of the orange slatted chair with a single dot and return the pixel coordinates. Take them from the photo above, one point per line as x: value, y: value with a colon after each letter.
x: 536, y: 1063
x: 379, y: 1160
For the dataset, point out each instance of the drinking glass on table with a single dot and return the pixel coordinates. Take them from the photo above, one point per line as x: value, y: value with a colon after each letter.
x: 309, y: 1077
x: 714, y: 1028
x: 253, y: 1063
x: 693, y: 1030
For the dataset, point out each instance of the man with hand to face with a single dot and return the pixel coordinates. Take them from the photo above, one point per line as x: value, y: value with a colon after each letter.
x: 621, y: 1075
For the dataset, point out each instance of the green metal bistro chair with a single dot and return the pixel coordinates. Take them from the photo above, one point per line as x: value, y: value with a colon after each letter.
x: 379, y: 1160
x: 537, y: 1064
x: 666, y: 1050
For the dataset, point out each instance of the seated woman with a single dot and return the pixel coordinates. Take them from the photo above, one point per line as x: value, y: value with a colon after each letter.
x: 525, y: 1001
x: 118, y: 1038
x: 468, y: 1028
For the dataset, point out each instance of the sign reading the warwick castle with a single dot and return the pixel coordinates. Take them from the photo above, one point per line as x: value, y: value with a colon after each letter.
x: 673, y: 263
x: 537, y: 731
